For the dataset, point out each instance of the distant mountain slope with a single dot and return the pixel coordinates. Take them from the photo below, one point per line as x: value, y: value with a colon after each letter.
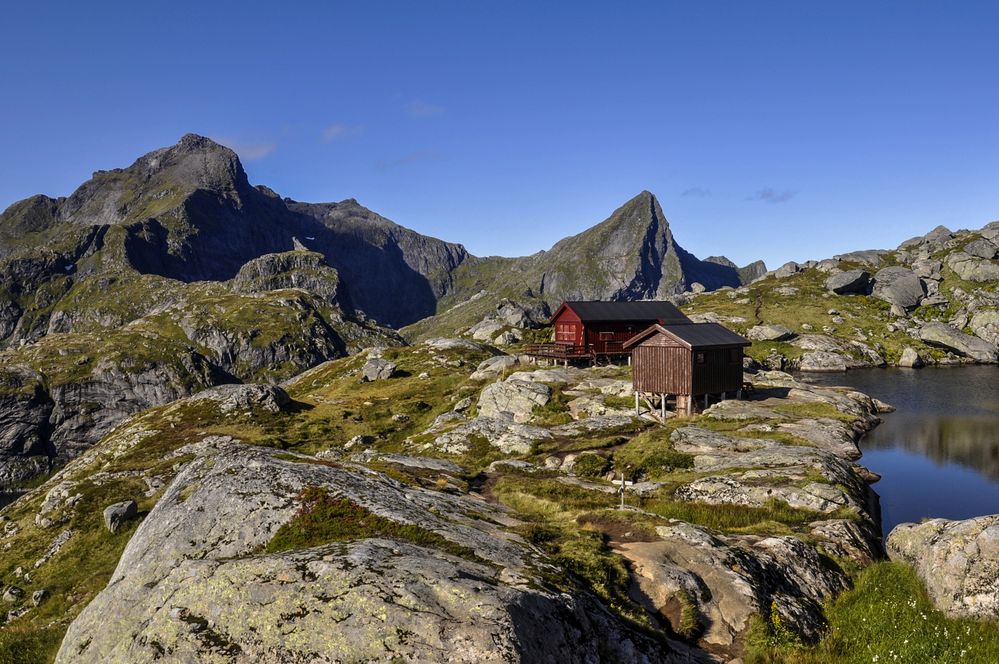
x: 189, y: 213
x: 632, y: 255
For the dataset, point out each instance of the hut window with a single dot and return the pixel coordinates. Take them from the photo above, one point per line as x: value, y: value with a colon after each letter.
x: 699, y: 357
x: 606, y: 336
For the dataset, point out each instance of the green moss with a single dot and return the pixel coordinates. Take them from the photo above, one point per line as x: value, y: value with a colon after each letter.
x: 323, y: 518
x: 886, y: 617
x: 591, y: 465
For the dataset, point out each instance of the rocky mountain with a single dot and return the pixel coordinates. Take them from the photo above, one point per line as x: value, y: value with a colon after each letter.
x: 932, y: 300
x: 188, y: 213
x: 632, y: 255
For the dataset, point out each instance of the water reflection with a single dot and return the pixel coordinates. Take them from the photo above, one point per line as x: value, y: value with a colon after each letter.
x: 972, y: 442
x: 939, y: 452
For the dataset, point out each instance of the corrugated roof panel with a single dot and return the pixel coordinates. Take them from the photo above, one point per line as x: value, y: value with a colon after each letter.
x: 629, y: 311
x: 707, y: 335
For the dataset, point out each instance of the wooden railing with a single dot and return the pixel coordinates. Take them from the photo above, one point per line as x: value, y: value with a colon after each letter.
x: 557, y: 350
x: 566, y: 351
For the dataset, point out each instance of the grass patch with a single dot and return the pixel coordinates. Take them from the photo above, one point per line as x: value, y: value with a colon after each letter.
x: 323, y: 518
x: 776, y: 517
x: 27, y: 645
x: 591, y: 465
x: 651, y: 454
x: 886, y: 617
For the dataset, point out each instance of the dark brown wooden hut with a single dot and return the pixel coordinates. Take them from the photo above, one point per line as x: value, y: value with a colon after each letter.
x: 599, y: 329
x: 685, y: 361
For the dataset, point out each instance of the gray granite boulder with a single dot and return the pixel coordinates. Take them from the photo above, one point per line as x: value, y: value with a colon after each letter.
x: 853, y: 281
x: 513, y: 399
x: 981, y: 248
x: 493, y: 366
x: 957, y: 560
x: 910, y: 358
x: 945, y: 336
x: 899, y: 286
x: 820, y: 360
x: 378, y: 368
x: 119, y: 513
x: 973, y: 268
x: 769, y: 333
x: 242, y: 398
x: 985, y: 324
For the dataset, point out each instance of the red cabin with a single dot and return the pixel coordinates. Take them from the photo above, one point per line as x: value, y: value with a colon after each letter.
x: 599, y: 329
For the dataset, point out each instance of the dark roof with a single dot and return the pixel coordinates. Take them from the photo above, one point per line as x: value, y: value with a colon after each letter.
x: 694, y: 335
x: 626, y: 311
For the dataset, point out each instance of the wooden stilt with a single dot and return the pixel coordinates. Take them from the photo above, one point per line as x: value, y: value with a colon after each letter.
x: 662, y: 405
x: 738, y: 394
x: 705, y: 401
x: 638, y: 409
x: 723, y: 396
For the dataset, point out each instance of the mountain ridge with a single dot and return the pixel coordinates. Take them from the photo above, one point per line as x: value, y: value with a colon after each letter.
x: 178, y: 207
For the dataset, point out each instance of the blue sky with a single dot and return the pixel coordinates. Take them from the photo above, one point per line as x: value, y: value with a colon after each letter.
x: 774, y: 130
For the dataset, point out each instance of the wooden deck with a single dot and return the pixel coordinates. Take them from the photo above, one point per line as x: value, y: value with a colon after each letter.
x: 567, y: 351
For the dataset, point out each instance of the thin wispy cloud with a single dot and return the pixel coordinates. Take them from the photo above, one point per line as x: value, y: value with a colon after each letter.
x: 771, y: 195
x: 406, y: 159
x: 340, y: 130
x: 421, y: 109
x: 248, y: 150
x: 696, y: 192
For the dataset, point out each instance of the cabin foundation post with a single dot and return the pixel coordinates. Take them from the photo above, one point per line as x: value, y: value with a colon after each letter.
x: 629, y: 360
x: 738, y: 394
x: 705, y: 401
x: 638, y: 409
x: 662, y: 406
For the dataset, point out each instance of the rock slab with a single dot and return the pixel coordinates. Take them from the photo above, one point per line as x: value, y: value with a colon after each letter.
x: 119, y: 513
x: 957, y: 560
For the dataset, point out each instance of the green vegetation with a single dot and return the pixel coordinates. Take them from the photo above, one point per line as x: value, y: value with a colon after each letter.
x: 20, y: 645
x: 651, y: 455
x: 591, y: 465
x: 323, y: 518
x: 886, y: 617
x: 586, y: 556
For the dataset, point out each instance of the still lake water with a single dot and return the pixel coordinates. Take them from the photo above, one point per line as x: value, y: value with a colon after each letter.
x: 938, y: 453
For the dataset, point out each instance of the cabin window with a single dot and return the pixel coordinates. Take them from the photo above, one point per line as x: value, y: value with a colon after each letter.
x: 606, y: 336
x: 699, y: 357
x: 565, y: 332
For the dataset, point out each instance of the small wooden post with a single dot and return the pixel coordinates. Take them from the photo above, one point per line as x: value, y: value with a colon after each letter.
x: 705, y: 400
x: 638, y: 410
x: 738, y: 394
x: 662, y: 406
x: 723, y: 396
x: 629, y: 360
